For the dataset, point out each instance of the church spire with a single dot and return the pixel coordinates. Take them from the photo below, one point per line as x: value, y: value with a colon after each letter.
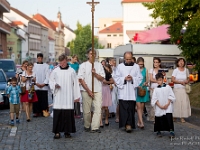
x: 59, y: 19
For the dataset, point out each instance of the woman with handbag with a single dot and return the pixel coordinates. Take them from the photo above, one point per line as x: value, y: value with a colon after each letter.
x: 28, y: 77
x: 106, y: 94
x: 143, y: 95
x: 18, y: 75
x: 180, y: 77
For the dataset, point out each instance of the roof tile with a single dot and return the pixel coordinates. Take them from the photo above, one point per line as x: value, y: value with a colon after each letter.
x: 115, y: 28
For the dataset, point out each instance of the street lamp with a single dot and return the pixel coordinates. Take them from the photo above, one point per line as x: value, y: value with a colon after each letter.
x: 10, y: 50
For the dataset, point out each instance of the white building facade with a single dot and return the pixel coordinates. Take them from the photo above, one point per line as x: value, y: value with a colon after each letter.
x: 136, y: 18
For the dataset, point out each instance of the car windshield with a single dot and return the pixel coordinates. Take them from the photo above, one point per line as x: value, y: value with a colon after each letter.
x: 7, y: 66
x: 2, y: 77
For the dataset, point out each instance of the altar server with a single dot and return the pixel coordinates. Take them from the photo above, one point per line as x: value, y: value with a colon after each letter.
x: 162, y: 99
x: 65, y: 88
x: 41, y: 71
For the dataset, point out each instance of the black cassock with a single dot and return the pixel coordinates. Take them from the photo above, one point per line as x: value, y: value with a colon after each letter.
x: 127, y: 113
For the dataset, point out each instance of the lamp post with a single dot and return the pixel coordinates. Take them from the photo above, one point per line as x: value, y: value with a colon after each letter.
x: 10, y: 51
x: 92, y: 10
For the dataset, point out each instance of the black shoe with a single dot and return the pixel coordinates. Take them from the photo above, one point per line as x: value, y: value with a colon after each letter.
x: 159, y: 134
x: 28, y: 120
x: 57, y: 136
x: 87, y: 129
x: 102, y: 126
x: 107, y: 124
x: 67, y: 135
x: 95, y: 131
x: 171, y: 134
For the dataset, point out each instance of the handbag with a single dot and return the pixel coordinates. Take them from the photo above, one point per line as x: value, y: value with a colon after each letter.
x: 187, y: 86
x: 23, y: 86
x: 23, y: 89
x: 141, y: 91
x: 46, y: 113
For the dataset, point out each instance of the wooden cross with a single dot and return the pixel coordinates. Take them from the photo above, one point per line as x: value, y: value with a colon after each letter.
x: 93, y: 4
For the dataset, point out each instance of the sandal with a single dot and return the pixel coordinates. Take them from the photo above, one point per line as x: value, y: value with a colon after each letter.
x: 117, y: 120
x: 182, y: 120
x: 57, y: 136
x: 68, y: 135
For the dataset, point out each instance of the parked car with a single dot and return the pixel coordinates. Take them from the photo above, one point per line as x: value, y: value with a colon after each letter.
x: 8, y: 66
x: 3, y: 85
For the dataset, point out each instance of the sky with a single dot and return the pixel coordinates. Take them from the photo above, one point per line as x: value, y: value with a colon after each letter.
x: 71, y: 10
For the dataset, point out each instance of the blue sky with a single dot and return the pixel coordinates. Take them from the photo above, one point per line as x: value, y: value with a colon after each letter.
x: 72, y: 10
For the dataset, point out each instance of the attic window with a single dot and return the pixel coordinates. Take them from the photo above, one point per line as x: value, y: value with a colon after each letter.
x: 107, y: 28
x: 118, y: 28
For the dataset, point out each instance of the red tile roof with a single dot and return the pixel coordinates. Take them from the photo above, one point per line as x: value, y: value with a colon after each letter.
x: 16, y: 23
x: 115, y: 28
x: 50, y: 24
x: 136, y: 1
x: 42, y: 19
x: 55, y: 23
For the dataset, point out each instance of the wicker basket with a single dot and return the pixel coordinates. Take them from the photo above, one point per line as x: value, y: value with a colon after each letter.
x: 141, y: 91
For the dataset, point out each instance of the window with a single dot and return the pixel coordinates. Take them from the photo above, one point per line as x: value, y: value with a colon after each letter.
x: 168, y: 62
x: 115, y: 35
x: 108, y: 35
x: 121, y: 35
x: 108, y: 45
x: 104, y: 25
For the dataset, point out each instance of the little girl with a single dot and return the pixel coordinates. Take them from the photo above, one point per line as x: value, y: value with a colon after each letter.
x: 162, y: 99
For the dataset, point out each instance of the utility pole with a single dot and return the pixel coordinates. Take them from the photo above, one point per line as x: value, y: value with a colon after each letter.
x: 93, y: 4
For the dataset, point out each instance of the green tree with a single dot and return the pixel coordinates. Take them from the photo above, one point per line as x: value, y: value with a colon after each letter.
x: 183, y: 17
x: 83, y: 41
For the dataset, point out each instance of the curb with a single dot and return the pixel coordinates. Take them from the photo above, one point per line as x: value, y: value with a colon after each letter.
x: 195, y: 110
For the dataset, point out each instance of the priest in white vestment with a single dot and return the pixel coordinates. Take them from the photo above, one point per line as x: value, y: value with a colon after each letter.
x: 42, y: 81
x: 162, y: 99
x: 65, y: 88
x: 127, y: 77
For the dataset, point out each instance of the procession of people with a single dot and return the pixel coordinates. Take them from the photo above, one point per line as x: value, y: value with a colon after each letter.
x: 121, y: 90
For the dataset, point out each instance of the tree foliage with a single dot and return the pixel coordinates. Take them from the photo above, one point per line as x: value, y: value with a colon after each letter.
x: 183, y: 16
x: 83, y: 41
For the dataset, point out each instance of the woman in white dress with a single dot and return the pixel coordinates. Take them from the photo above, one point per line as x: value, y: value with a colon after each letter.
x: 180, y: 77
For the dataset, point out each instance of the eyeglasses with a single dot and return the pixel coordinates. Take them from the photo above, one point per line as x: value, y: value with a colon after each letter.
x: 141, y: 64
x: 155, y: 62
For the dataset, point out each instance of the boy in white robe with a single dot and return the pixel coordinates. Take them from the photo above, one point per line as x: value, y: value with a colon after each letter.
x: 65, y: 88
x: 41, y: 87
x: 162, y: 99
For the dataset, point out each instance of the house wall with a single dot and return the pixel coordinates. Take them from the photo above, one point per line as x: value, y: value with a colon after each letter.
x: 136, y: 17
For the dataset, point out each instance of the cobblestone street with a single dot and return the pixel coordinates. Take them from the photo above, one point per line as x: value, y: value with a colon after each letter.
x: 37, y: 135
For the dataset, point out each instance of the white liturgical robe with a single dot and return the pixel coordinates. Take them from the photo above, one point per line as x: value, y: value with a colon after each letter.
x: 126, y: 91
x: 163, y: 94
x: 42, y: 75
x: 69, y: 88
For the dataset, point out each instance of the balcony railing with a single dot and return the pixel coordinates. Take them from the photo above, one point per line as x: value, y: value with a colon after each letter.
x: 4, y: 6
x: 4, y: 27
